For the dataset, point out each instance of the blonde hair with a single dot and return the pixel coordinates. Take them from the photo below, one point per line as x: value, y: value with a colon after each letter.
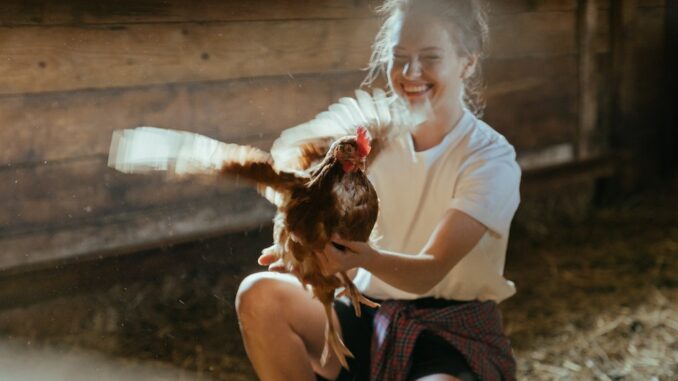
x: 468, y: 22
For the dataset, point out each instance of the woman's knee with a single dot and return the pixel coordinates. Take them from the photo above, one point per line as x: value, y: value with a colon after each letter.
x: 261, y: 294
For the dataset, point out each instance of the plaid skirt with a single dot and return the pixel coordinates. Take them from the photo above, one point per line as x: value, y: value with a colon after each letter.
x: 474, y: 329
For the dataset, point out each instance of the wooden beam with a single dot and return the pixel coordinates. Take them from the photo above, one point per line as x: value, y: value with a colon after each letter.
x: 587, y: 146
x: 127, y: 232
x: 120, y: 12
x: 622, y: 17
x: 64, y: 58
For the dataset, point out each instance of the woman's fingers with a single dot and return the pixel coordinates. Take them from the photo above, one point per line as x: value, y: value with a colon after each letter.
x: 277, y: 266
x: 266, y: 259
x: 273, y: 262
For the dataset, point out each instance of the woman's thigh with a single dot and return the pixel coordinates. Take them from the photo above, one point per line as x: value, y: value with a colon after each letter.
x: 270, y: 301
x: 438, y: 377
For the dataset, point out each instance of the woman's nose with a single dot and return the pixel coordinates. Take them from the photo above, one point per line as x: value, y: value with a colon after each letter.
x: 412, y: 69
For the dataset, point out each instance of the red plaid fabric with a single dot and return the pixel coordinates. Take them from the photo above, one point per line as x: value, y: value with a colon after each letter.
x: 473, y: 328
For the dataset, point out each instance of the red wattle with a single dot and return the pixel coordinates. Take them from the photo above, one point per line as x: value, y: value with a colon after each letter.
x: 347, y: 166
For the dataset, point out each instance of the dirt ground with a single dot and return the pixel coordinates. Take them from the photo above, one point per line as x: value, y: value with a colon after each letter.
x: 597, y: 299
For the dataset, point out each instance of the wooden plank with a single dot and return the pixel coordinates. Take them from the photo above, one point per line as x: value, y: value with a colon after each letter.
x: 87, y: 12
x: 47, y: 12
x: 534, y: 33
x: 68, y: 58
x: 58, y: 126
x: 532, y: 100
x: 20, y: 286
x: 137, y: 231
x: 603, y: 73
x: 623, y: 14
x: 522, y: 6
x: 588, y: 82
x: 62, y: 58
x: 78, y: 192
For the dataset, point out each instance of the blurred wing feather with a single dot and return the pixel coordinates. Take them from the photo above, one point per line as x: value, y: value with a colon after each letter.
x: 180, y: 153
x: 302, y: 146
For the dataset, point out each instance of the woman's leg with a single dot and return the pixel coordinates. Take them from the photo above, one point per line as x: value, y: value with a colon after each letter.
x: 438, y: 377
x: 283, y: 328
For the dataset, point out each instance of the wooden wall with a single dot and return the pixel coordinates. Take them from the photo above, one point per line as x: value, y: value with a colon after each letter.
x: 71, y: 72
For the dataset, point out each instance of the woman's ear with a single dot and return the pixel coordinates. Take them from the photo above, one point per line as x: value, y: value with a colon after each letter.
x: 469, y: 66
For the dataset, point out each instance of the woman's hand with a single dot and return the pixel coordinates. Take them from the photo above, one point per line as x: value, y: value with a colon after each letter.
x: 333, y: 259
x: 269, y: 259
x: 349, y: 255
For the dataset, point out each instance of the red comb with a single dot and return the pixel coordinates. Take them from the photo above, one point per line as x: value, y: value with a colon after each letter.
x: 363, y: 141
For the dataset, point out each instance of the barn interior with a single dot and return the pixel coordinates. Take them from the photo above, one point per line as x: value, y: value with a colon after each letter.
x: 132, y: 276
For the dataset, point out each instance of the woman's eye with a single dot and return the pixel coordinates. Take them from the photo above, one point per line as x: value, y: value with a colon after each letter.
x: 432, y: 58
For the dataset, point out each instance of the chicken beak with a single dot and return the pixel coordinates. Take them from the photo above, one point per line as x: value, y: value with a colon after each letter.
x: 361, y: 163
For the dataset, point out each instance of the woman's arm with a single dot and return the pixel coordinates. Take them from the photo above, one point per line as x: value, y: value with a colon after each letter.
x: 454, y: 237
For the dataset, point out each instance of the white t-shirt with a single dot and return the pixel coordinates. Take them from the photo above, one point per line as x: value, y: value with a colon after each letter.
x: 474, y: 170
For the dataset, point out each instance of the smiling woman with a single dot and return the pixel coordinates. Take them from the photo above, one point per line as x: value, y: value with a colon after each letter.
x: 455, y: 40
x: 448, y: 190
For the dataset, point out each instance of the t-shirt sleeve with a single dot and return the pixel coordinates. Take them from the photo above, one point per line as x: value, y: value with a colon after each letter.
x: 489, y: 190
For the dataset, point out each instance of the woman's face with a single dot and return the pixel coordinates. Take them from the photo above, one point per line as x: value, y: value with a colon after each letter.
x: 425, y: 65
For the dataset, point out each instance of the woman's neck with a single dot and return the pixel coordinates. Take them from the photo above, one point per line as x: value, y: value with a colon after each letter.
x: 431, y: 132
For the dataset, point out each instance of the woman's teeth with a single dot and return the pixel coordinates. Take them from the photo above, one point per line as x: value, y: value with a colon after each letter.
x: 415, y: 89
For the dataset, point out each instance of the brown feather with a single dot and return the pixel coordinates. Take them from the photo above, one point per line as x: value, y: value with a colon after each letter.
x: 312, y: 153
x: 256, y: 166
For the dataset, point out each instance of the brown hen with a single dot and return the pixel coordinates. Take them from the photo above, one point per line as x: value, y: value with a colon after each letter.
x: 333, y: 197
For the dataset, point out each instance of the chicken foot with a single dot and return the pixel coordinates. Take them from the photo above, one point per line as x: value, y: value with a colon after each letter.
x: 356, y: 296
x: 333, y: 341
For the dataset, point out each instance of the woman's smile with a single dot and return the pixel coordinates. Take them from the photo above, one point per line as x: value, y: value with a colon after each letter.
x: 416, y: 91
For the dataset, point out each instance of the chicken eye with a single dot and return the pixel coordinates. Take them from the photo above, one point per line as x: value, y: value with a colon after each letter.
x: 348, y: 149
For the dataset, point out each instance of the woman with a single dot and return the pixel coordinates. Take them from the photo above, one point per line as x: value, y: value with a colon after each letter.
x: 447, y: 197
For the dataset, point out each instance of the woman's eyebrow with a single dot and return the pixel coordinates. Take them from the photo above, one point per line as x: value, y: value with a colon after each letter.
x: 431, y: 48
x: 426, y: 49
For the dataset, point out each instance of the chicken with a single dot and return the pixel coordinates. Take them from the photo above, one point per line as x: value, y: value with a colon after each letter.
x: 338, y: 198
x: 315, y: 175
